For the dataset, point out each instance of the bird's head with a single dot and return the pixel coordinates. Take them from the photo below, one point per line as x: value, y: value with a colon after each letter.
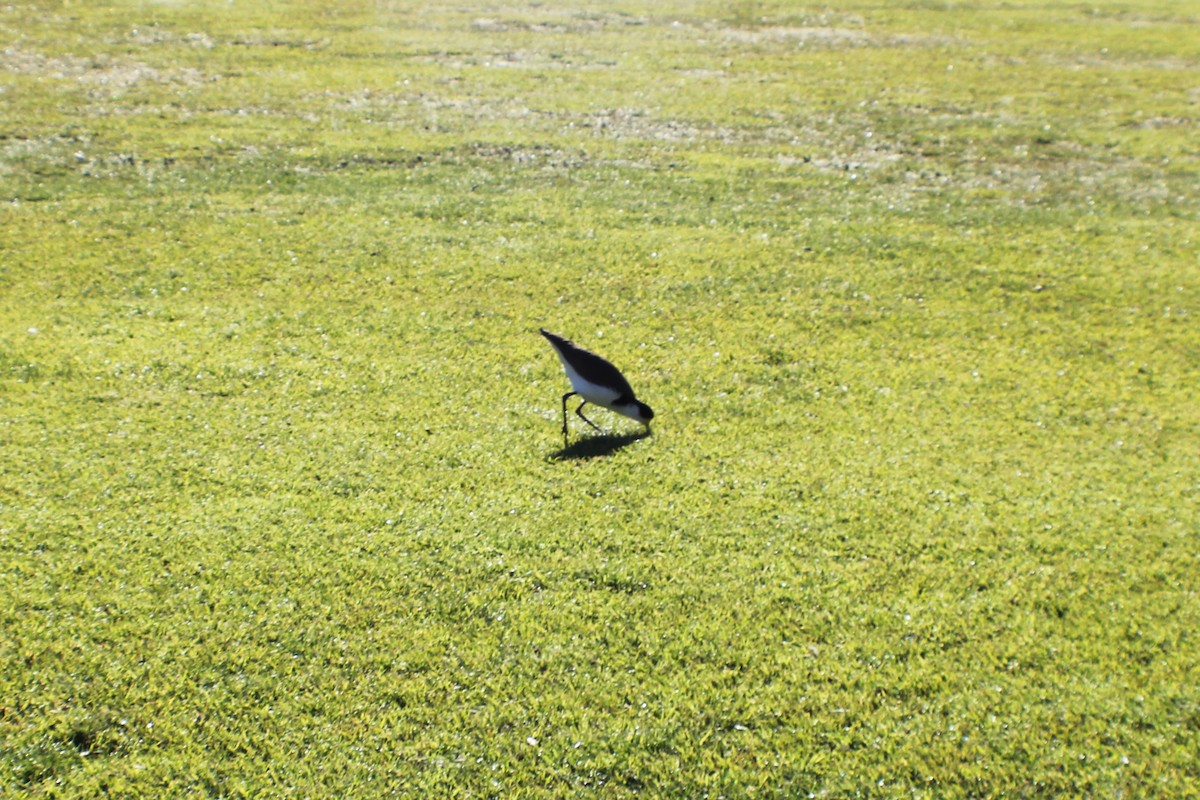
x: 635, y: 410
x: 643, y: 413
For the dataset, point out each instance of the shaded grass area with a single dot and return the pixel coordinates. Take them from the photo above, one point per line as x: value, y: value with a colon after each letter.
x: 286, y: 508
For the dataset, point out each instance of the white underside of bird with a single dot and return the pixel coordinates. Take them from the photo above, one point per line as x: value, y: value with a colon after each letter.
x: 602, y: 396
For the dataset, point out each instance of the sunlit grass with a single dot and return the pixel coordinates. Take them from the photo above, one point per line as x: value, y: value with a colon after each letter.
x: 286, y: 508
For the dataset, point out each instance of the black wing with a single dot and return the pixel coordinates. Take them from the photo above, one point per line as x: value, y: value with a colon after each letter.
x: 589, y: 365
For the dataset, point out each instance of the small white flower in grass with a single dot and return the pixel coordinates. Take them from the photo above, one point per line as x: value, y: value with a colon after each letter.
x: 531, y: 741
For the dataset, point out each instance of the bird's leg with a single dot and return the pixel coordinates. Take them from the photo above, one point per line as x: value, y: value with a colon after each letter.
x: 579, y: 411
x: 565, y: 396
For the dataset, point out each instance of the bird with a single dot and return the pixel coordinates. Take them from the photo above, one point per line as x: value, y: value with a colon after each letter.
x: 597, y: 381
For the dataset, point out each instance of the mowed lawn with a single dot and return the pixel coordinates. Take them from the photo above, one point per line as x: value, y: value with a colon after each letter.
x: 285, y: 508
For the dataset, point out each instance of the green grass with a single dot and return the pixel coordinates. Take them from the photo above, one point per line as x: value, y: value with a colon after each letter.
x: 284, y: 505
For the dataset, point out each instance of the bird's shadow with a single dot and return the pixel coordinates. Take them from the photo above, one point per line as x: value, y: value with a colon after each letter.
x: 596, y: 446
